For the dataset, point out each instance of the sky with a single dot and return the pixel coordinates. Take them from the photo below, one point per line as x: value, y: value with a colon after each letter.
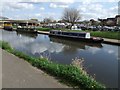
x: 40, y: 9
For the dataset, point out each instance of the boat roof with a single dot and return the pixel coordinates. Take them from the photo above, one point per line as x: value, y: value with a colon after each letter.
x: 68, y: 31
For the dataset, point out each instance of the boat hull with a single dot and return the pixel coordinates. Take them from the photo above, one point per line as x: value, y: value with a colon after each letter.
x: 77, y: 44
x: 9, y: 28
x: 77, y: 38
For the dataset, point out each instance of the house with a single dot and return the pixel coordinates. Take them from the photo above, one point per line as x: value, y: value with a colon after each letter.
x: 110, y: 21
x: 118, y: 19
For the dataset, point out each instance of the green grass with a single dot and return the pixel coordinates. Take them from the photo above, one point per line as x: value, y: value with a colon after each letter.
x: 6, y: 46
x: 71, y: 74
x: 43, y: 29
x: 110, y: 35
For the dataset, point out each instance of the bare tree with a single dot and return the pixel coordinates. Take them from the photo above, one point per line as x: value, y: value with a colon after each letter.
x: 71, y: 15
x: 94, y: 23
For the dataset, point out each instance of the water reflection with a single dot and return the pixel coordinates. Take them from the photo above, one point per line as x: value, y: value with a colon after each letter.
x: 100, y: 59
x: 75, y: 44
x: 33, y: 35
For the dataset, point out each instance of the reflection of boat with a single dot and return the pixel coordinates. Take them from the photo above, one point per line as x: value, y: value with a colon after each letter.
x: 33, y: 35
x: 75, y: 43
x: 80, y: 36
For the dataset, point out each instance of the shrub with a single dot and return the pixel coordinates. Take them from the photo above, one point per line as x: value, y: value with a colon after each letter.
x: 5, y: 45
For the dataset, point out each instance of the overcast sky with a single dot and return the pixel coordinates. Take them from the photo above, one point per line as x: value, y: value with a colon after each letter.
x: 89, y: 9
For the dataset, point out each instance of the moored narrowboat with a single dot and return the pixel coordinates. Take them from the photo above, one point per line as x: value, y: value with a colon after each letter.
x: 7, y: 26
x: 81, y: 36
x: 26, y: 29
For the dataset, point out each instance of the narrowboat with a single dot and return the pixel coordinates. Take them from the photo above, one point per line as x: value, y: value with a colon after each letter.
x: 79, y: 36
x: 31, y: 35
x: 8, y: 26
x: 26, y: 29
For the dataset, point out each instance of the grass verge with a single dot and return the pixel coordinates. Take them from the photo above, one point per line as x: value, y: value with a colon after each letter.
x: 43, y: 29
x: 69, y: 73
x: 110, y: 35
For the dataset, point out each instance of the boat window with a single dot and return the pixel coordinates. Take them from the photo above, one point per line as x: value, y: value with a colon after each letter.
x: 58, y: 32
x: 82, y: 34
x: 65, y: 33
x: 74, y: 34
x: 52, y: 32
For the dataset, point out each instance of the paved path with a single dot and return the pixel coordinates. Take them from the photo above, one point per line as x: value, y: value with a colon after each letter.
x: 17, y: 73
x: 43, y: 32
x: 112, y: 41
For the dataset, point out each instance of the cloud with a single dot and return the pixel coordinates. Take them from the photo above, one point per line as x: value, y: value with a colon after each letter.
x: 114, y: 9
x: 37, y: 14
x: 67, y: 1
x: 58, y: 5
x: 42, y: 8
x: 43, y: 15
x: 96, y: 10
x: 64, y: 1
x: 16, y: 5
x: 88, y: 9
x: 93, y: 50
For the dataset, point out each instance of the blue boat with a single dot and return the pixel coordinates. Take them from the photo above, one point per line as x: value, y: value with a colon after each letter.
x: 79, y: 36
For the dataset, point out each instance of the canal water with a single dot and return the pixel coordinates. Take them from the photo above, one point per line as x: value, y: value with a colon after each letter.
x: 100, y: 60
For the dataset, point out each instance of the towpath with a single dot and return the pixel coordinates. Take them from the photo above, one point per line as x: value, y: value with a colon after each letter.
x: 17, y: 73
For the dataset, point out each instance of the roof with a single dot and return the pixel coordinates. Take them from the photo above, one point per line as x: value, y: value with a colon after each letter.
x: 117, y: 16
x: 69, y: 32
x: 21, y: 21
x: 110, y: 18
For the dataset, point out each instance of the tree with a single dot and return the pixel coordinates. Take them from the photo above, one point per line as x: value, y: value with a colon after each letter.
x: 71, y: 15
x: 85, y: 22
x: 34, y: 19
x: 47, y: 20
x: 94, y: 23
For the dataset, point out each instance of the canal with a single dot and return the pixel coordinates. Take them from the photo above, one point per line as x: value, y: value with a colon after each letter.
x: 100, y: 60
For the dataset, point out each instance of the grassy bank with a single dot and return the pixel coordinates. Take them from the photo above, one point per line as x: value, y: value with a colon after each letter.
x: 110, y: 35
x: 69, y: 73
x: 43, y: 29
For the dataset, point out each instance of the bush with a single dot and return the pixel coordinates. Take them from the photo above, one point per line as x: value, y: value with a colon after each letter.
x: 69, y: 73
x: 5, y: 45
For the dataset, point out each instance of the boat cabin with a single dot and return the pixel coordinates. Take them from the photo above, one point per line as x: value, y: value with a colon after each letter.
x: 73, y: 34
